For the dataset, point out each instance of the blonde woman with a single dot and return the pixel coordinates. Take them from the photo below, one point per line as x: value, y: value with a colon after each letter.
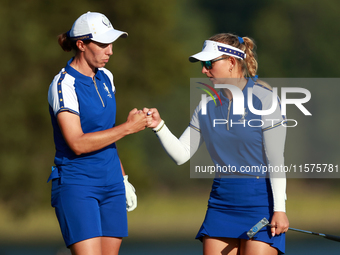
x: 238, y: 200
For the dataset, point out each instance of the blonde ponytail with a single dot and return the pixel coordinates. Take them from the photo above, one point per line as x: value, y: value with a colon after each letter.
x: 250, y: 59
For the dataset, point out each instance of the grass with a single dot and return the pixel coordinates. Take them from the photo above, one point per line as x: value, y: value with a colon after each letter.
x: 314, y: 207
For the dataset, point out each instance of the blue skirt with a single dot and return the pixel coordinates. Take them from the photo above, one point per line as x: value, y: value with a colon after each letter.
x: 235, y: 206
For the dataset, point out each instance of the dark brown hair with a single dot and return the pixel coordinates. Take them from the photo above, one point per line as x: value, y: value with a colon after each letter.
x: 67, y: 44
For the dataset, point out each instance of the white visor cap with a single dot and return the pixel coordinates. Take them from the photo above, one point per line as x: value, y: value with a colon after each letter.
x: 96, y: 27
x: 212, y: 50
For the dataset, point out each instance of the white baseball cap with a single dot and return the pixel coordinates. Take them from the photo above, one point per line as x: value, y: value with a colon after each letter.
x: 96, y: 27
x: 212, y: 50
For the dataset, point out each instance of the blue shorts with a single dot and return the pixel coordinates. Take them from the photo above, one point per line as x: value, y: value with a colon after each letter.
x: 85, y: 211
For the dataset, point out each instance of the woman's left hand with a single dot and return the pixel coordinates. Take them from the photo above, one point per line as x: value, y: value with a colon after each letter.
x: 280, y: 223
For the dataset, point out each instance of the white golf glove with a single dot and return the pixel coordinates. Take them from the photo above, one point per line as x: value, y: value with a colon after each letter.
x: 131, y: 198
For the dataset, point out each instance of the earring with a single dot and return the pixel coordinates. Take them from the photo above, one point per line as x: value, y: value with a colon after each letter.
x: 231, y: 69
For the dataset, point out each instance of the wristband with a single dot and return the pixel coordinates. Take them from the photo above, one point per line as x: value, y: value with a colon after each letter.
x: 159, y: 126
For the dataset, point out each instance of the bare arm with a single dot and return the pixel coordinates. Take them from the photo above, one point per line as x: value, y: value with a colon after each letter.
x: 81, y: 142
x: 121, y: 166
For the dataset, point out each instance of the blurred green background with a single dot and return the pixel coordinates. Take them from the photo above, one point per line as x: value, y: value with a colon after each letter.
x: 295, y: 39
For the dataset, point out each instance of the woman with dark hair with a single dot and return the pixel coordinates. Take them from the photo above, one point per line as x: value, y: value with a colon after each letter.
x: 90, y: 191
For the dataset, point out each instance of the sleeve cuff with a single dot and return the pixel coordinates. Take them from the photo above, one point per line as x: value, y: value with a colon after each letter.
x: 159, y: 126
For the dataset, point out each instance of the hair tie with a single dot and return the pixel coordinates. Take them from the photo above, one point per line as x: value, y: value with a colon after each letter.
x: 240, y: 39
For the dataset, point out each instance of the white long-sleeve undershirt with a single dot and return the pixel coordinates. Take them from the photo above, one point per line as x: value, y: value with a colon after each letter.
x: 181, y: 150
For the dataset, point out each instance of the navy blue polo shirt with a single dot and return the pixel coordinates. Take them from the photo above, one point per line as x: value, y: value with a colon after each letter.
x: 93, y: 100
x: 236, y: 141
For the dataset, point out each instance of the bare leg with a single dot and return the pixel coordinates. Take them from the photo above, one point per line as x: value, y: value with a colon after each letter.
x: 90, y: 246
x: 97, y: 246
x: 220, y: 246
x: 251, y: 247
x: 111, y: 245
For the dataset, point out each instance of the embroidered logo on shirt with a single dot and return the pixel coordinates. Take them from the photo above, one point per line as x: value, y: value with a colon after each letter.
x: 107, y: 90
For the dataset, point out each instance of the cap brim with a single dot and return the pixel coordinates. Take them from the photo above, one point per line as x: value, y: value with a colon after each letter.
x: 204, y: 56
x: 110, y: 36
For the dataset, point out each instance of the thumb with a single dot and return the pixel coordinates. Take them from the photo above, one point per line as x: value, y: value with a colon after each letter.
x: 272, y: 229
x: 134, y: 111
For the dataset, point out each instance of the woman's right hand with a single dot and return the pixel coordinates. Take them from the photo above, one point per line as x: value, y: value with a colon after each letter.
x: 136, y: 121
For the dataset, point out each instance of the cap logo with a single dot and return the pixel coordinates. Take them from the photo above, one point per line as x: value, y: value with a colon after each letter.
x: 106, y: 22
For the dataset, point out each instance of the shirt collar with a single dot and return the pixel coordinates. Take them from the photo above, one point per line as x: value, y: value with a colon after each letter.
x: 79, y: 76
x: 250, y: 83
